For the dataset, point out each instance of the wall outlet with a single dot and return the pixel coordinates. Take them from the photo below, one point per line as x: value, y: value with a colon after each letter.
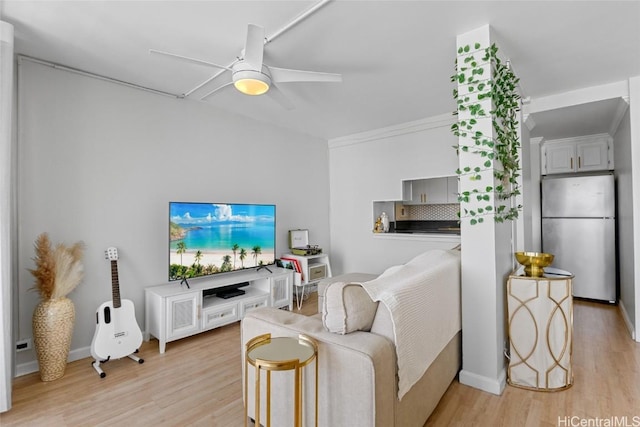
x: 24, y: 345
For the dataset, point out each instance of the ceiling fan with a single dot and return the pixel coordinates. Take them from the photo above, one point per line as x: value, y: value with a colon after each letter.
x: 251, y: 76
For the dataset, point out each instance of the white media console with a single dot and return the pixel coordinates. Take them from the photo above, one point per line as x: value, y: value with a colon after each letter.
x: 174, y: 311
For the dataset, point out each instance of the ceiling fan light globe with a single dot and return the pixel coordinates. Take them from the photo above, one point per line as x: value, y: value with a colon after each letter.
x: 251, y: 86
x: 251, y: 82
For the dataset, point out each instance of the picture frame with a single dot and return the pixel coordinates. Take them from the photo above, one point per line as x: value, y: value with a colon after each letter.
x: 286, y: 263
x: 296, y: 265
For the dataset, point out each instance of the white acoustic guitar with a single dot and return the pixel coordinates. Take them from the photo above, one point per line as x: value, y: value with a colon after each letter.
x: 117, y: 332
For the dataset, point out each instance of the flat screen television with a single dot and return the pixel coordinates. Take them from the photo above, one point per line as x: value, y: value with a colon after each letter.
x: 212, y: 238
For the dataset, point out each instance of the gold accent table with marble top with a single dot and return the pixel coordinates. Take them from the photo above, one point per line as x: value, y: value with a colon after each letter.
x: 540, y: 328
x: 280, y: 354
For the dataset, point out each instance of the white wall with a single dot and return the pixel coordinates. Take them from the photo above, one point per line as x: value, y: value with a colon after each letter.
x: 6, y: 209
x: 99, y: 162
x: 624, y: 187
x: 634, y: 114
x: 371, y: 166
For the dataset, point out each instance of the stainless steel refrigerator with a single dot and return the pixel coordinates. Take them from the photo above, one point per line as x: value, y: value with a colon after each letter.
x: 578, y: 228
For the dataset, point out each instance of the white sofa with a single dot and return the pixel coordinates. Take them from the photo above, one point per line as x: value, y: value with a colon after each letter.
x: 359, y: 355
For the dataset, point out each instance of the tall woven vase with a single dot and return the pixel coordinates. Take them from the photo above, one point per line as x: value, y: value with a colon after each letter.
x: 52, y: 329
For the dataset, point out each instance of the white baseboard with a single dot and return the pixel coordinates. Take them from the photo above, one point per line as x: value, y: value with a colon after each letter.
x: 491, y: 385
x: 30, y: 367
x: 627, y: 320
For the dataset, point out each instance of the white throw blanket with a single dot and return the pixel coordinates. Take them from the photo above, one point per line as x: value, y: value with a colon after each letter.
x: 423, y: 297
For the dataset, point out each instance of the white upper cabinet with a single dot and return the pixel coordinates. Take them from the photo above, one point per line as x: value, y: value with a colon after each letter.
x: 580, y: 154
x: 426, y: 191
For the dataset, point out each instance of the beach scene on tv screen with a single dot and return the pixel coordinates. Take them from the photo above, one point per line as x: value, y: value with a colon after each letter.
x: 208, y: 238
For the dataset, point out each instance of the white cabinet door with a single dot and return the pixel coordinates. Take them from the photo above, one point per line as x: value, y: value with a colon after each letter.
x: 407, y: 192
x: 182, y: 315
x: 435, y: 190
x: 413, y: 191
x: 593, y: 156
x: 560, y: 158
x: 418, y: 191
x: 452, y: 189
x: 281, y: 287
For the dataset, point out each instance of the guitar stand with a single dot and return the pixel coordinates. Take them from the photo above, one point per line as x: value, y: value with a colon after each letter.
x: 96, y: 363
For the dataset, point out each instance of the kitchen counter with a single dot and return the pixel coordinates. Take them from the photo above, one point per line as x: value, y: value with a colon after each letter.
x: 447, y: 240
x: 427, y: 227
x: 445, y: 233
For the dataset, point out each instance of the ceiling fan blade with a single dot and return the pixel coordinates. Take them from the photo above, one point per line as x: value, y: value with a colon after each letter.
x: 215, y: 90
x: 254, y: 46
x: 284, y: 75
x: 279, y: 97
x: 187, y: 59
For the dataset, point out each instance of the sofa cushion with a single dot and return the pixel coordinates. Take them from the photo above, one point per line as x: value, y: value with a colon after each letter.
x: 346, y: 278
x: 347, y: 308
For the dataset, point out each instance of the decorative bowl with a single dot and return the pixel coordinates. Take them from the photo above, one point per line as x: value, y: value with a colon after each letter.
x: 534, y: 262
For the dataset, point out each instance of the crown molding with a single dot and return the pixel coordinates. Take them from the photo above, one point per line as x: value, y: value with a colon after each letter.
x: 395, y: 130
x: 528, y: 121
x: 623, y: 106
x: 6, y: 33
x: 618, y: 89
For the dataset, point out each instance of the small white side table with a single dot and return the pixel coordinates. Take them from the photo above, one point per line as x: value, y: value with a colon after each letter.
x: 299, y: 289
x: 314, y: 268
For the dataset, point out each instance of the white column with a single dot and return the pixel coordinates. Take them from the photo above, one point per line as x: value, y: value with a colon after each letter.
x: 6, y: 102
x: 634, y: 112
x: 486, y: 258
x: 533, y: 207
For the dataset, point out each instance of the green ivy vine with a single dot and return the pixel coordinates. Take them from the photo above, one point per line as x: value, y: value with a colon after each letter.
x: 499, y: 151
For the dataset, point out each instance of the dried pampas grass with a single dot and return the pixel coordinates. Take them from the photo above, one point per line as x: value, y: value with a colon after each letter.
x: 58, y: 271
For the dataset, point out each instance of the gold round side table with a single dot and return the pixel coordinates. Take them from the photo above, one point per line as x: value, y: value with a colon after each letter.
x: 279, y: 354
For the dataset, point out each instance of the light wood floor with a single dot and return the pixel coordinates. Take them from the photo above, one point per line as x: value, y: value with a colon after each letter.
x: 197, y: 383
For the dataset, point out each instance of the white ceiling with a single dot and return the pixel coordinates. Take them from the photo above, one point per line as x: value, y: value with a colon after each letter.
x: 396, y: 57
x: 585, y: 119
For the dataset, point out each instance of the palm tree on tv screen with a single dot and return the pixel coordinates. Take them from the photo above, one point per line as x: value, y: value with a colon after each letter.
x: 255, y: 251
x: 181, y: 248
x: 235, y: 248
x: 243, y: 255
x: 226, y: 263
